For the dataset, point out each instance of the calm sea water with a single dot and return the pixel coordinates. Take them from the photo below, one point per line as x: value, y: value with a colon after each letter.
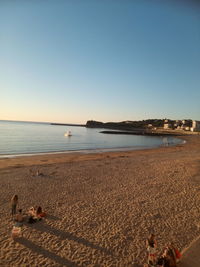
x: 29, y: 138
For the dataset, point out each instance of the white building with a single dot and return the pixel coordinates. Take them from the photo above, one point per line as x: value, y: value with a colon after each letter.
x: 195, y: 126
x: 167, y: 125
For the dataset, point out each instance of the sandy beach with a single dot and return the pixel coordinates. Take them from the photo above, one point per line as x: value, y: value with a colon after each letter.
x: 101, y: 207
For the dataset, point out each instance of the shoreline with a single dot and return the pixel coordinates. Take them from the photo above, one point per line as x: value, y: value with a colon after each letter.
x: 87, y: 151
x: 97, y: 150
x: 39, y: 158
x: 101, y: 206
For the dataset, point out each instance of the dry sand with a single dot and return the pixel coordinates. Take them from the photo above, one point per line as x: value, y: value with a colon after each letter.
x: 101, y: 207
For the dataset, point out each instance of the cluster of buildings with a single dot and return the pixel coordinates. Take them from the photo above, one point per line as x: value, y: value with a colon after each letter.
x: 186, y: 125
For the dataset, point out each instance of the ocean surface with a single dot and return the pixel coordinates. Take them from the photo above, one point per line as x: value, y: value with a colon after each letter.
x: 18, y: 138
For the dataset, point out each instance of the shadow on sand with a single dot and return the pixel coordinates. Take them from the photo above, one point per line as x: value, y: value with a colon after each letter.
x: 137, y: 265
x: 43, y: 227
x: 52, y: 217
x: 47, y: 254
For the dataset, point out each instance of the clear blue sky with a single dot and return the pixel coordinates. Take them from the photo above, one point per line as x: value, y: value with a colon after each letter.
x: 71, y: 61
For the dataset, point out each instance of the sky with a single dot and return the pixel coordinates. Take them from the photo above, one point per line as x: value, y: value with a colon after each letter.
x: 72, y: 61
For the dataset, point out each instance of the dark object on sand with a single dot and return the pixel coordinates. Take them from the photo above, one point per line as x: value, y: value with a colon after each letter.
x: 32, y: 220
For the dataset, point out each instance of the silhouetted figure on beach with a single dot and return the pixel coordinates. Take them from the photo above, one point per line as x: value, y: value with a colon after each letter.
x: 174, y: 250
x: 36, y: 214
x: 172, y: 256
x: 167, y: 259
x: 19, y: 218
x: 14, y: 202
x: 151, y: 245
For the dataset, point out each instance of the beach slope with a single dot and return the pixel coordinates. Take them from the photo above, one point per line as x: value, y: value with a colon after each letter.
x: 101, y: 207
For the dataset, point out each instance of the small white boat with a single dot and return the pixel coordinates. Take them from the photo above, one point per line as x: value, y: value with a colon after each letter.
x: 68, y: 133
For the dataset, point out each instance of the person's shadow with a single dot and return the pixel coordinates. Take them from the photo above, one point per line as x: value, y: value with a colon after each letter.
x: 52, y: 217
x: 136, y: 264
x: 47, y: 254
x: 43, y: 227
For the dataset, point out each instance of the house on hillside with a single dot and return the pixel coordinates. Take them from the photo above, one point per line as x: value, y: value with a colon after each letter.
x: 195, y: 126
x: 186, y: 125
x: 177, y: 124
x: 167, y: 124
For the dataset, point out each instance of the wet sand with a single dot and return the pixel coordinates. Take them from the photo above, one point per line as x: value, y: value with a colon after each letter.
x: 101, y: 207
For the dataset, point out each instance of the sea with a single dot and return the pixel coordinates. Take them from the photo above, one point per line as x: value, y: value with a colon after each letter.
x: 28, y: 138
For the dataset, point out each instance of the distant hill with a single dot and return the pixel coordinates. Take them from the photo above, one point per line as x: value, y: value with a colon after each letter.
x: 125, y: 125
